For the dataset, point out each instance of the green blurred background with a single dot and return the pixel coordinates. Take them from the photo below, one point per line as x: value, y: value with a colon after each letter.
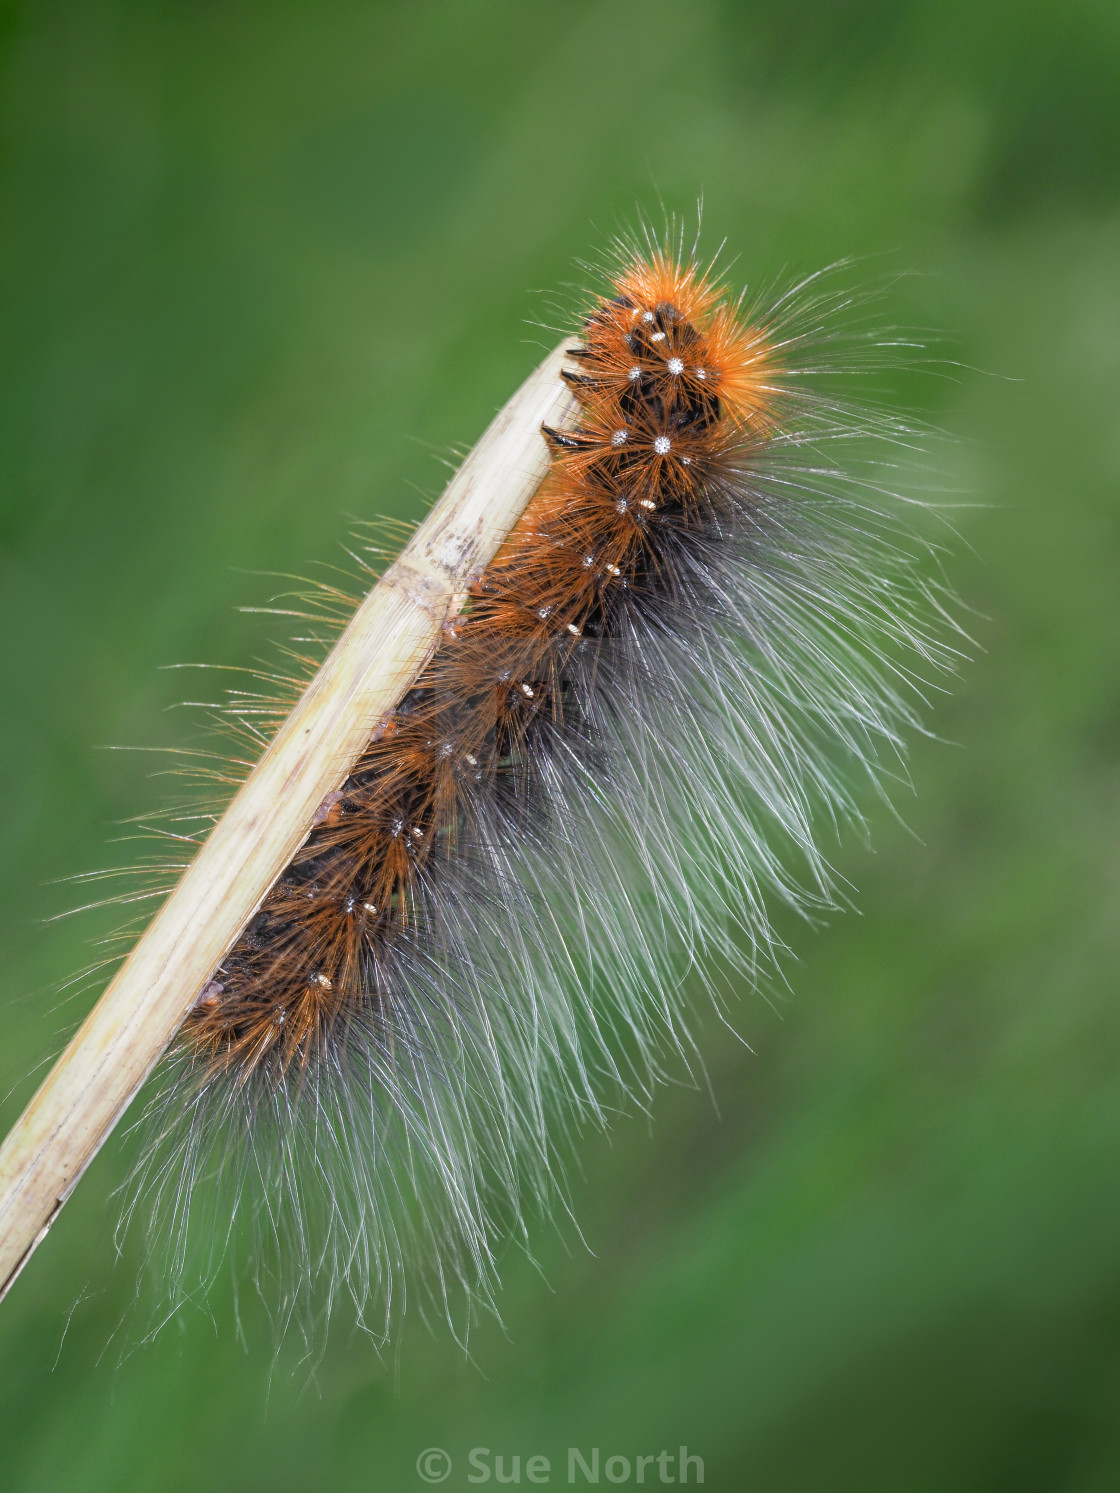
x: 261, y: 265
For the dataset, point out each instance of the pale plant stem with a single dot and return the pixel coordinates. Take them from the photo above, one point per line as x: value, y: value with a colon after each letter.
x: 385, y: 645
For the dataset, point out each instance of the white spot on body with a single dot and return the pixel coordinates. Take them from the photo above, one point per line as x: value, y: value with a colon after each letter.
x: 676, y: 366
x: 701, y: 373
x: 662, y: 445
x: 648, y: 316
x: 619, y: 438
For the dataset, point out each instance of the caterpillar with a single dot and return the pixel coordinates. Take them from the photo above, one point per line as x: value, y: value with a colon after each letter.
x: 703, y: 637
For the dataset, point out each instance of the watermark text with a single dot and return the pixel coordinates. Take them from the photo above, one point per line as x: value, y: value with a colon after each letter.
x: 582, y: 1465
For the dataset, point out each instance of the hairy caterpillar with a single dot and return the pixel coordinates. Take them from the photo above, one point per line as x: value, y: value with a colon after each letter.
x: 700, y: 635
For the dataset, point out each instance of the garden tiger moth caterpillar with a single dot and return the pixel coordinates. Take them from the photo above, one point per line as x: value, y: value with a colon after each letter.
x: 697, y: 636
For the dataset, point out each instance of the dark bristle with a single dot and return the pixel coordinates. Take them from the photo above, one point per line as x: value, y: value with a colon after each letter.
x: 560, y: 440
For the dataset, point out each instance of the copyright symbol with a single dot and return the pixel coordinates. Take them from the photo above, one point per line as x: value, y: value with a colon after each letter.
x: 434, y: 1465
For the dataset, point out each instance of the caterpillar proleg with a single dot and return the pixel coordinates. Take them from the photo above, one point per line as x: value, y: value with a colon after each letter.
x: 575, y: 741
